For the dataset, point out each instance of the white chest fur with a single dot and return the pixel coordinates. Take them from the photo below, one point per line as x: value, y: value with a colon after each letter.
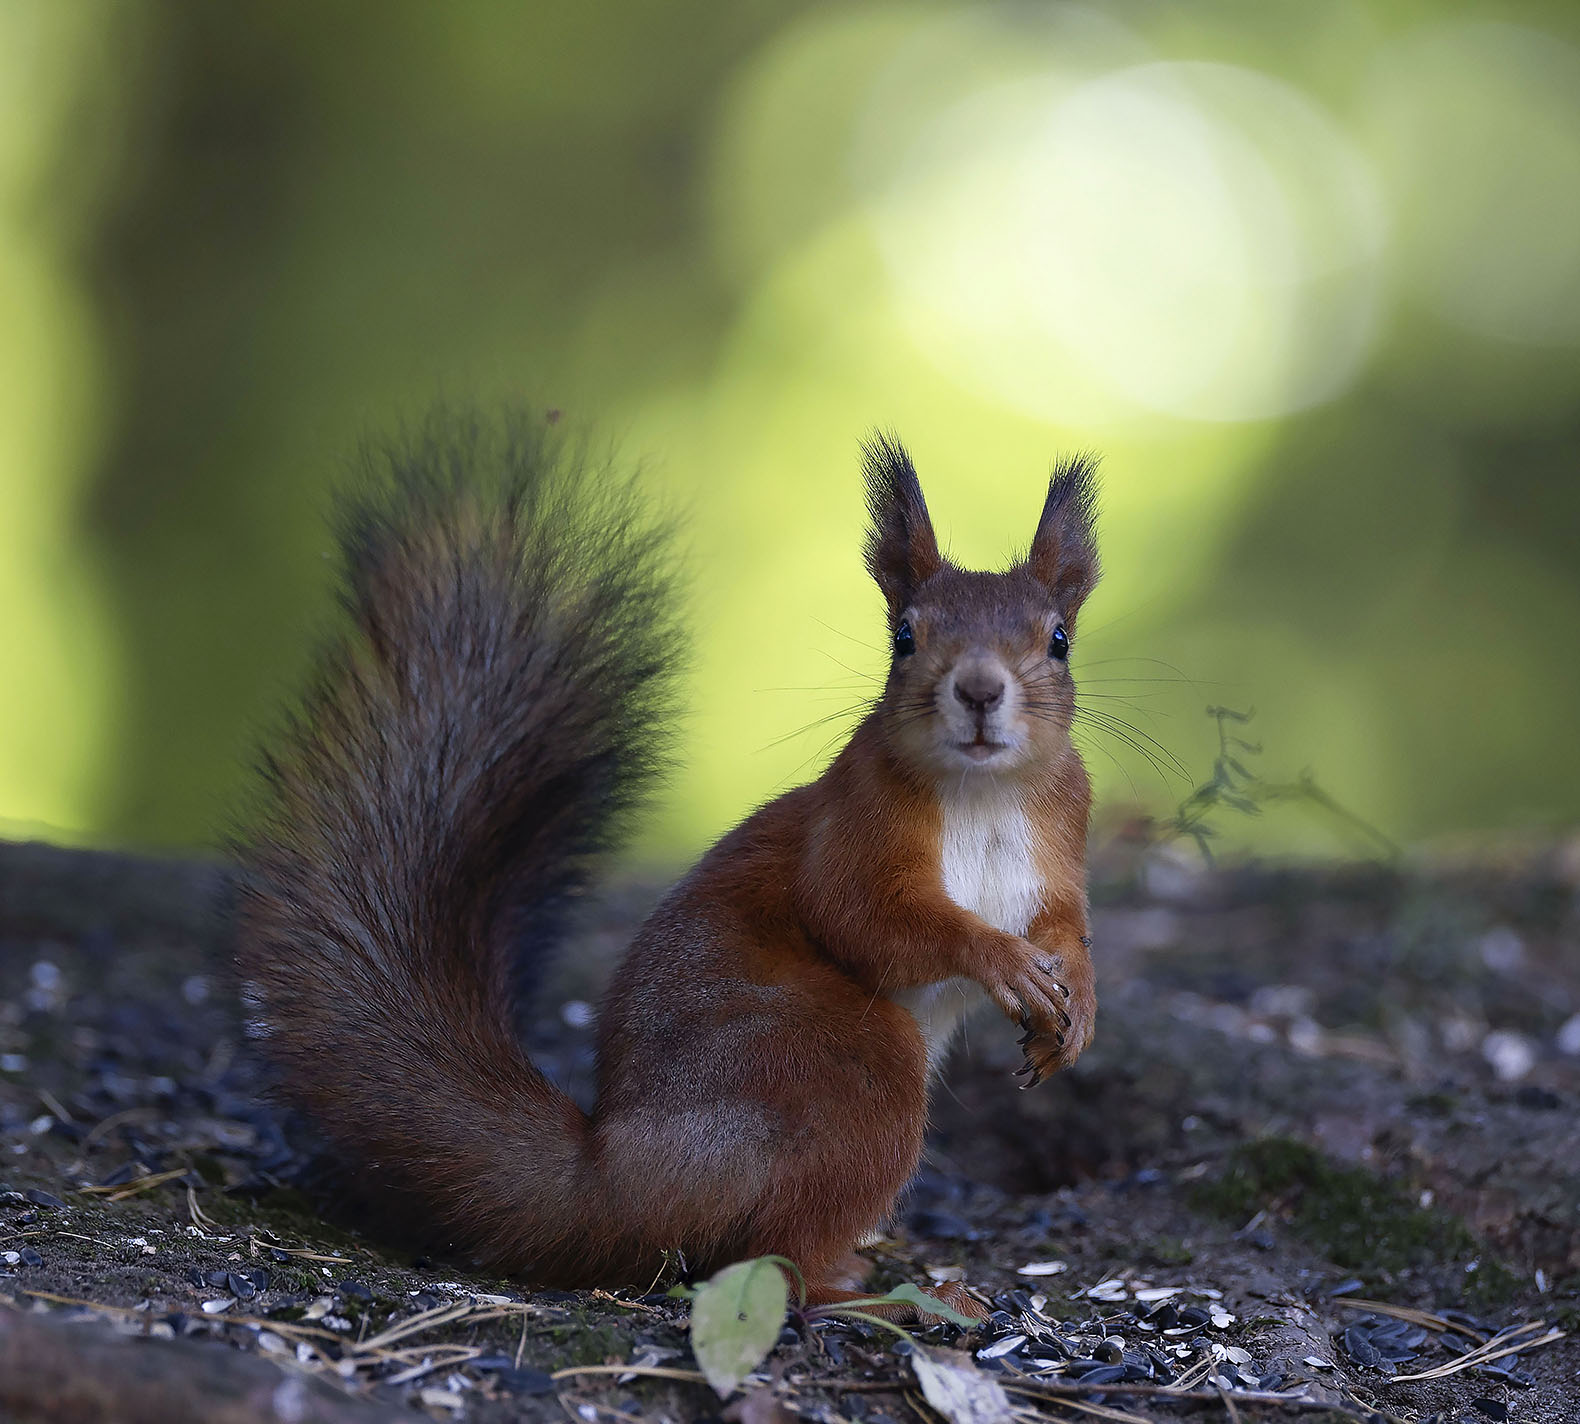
x: 989, y: 867
x: 988, y: 860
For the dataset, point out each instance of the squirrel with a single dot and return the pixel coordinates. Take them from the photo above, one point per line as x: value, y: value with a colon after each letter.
x: 484, y: 729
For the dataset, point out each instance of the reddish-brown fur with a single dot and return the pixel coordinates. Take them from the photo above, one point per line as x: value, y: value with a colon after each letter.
x: 759, y: 1090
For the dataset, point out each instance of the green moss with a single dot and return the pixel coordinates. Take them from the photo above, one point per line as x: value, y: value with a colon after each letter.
x: 1565, y: 1315
x: 290, y: 1216
x: 586, y: 1340
x: 1492, y: 1283
x: 1167, y: 1251
x: 1353, y: 1217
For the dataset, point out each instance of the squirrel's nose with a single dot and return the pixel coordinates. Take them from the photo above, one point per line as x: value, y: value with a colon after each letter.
x: 980, y: 691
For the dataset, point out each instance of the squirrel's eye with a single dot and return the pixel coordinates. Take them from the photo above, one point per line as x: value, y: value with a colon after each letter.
x: 1059, y: 644
x: 904, y: 641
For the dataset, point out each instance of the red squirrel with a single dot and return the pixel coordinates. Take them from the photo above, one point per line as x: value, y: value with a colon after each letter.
x: 766, y: 1045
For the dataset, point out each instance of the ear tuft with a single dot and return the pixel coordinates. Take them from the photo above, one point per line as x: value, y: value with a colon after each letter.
x: 901, y: 550
x: 1064, y: 550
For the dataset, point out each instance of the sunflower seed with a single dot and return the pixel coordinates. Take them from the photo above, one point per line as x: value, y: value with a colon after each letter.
x: 1007, y: 1346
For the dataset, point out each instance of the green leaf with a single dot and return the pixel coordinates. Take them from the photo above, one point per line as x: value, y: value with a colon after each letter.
x: 793, y: 1269
x: 735, y: 1320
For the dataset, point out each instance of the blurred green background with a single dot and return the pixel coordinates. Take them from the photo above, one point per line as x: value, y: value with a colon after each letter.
x: 1308, y: 276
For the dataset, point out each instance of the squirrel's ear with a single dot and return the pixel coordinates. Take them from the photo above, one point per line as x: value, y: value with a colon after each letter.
x: 1064, y: 550
x: 901, y: 549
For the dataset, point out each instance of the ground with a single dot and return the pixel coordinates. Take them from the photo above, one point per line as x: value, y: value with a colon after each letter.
x: 1328, y: 1139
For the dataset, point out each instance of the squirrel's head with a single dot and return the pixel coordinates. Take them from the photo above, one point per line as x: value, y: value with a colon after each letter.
x: 979, y: 673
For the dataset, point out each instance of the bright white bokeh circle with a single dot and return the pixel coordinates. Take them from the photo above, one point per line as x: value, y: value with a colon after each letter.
x: 1194, y: 239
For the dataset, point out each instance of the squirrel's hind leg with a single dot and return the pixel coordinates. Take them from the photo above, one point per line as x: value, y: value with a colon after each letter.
x: 953, y: 1294
x: 839, y: 1172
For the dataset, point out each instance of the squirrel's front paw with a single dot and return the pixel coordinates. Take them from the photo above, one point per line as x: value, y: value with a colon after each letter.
x: 1052, y: 1046
x: 1028, y: 990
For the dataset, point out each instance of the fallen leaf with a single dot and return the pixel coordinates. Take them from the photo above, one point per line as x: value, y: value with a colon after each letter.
x: 958, y: 1390
x: 735, y: 1320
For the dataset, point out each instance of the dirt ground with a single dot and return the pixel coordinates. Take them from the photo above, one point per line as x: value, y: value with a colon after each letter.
x: 1327, y: 1142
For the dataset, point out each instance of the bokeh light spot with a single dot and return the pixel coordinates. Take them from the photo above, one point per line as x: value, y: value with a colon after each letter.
x: 1189, y: 238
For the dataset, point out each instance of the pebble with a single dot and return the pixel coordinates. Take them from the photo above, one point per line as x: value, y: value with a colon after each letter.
x: 578, y: 1013
x: 1511, y: 1055
x: 1502, y: 950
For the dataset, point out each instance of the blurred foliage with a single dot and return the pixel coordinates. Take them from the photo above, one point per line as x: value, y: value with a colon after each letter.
x: 1308, y: 276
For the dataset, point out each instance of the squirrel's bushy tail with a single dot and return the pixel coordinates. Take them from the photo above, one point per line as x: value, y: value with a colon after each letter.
x: 482, y: 728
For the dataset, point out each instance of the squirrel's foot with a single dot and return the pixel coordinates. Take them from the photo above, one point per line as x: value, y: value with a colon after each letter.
x: 953, y: 1294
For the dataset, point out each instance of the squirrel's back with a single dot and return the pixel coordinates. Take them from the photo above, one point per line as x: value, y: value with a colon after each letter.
x: 483, y: 726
